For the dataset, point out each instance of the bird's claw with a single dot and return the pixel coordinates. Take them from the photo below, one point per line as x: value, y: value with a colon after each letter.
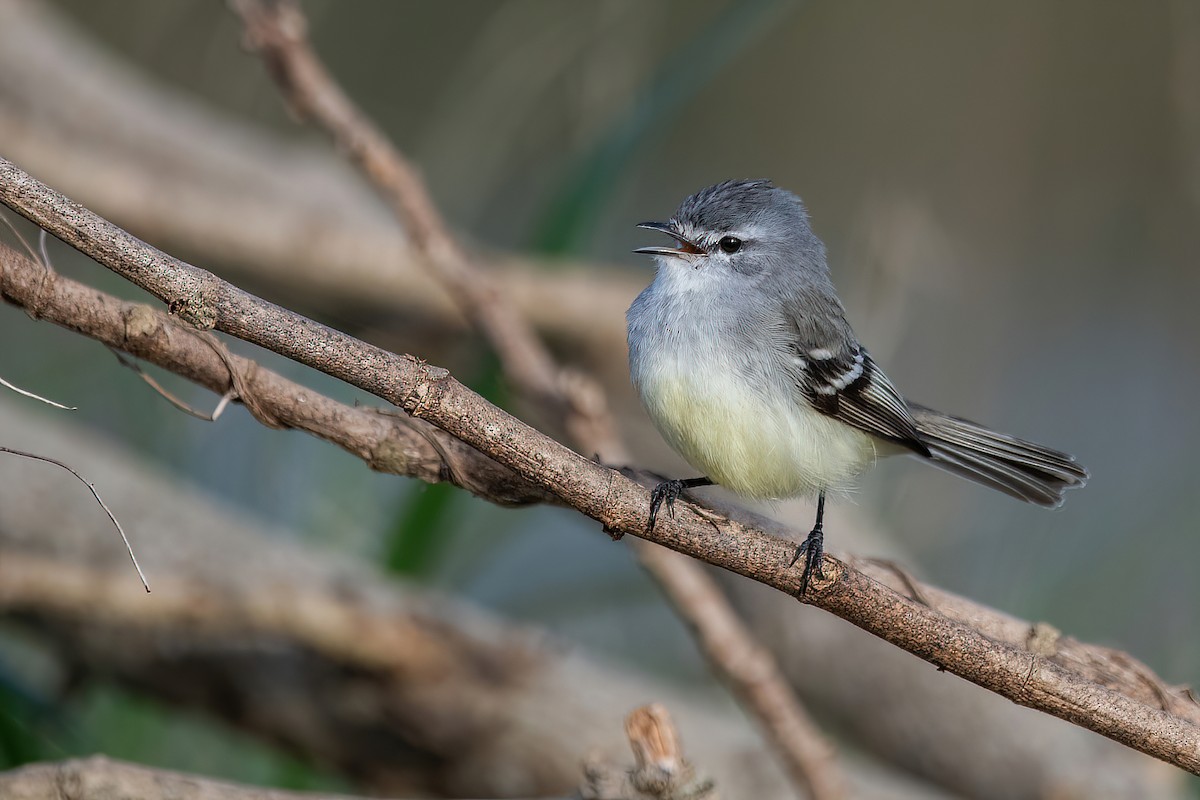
x: 668, y: 492
x: 813, y: 551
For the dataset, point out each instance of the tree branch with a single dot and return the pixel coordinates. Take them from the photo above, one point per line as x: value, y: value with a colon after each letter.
x: 618, y: 503
x: 100, y: 778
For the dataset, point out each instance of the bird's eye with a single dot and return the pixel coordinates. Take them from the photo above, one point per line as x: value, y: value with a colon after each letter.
x: 730, y: 244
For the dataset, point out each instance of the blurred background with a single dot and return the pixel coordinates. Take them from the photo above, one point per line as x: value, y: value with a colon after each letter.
x: 1009, y: 197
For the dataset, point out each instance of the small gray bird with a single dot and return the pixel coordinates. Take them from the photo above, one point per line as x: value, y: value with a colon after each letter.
x: 742, y: 355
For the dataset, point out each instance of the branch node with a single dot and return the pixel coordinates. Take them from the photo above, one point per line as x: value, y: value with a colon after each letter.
x: 831, y: 573
x: 1043, y: 639
x: 196, y: 309
x: 141, y: 322
x: 424, y: 394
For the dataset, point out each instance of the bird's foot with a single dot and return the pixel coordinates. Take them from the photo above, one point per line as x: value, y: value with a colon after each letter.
x: 813, y: 551
x: 668, y: 492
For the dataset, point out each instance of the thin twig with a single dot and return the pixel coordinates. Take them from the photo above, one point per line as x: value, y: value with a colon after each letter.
x: 21, y: 391
x: 42, y: 238
x: 13, y: 229
x: 222, y: 403
x: 95, y: 494
x: 617, y: 503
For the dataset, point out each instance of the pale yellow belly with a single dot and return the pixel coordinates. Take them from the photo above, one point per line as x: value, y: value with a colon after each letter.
x: 748, y: 443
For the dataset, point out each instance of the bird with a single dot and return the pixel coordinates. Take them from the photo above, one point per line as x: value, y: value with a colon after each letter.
x: 742, y: 356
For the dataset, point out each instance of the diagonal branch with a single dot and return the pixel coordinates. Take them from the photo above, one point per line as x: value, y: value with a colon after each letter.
x: 619, y: 504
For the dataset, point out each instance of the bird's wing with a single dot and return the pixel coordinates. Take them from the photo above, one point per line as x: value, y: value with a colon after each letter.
x: 842, y: 381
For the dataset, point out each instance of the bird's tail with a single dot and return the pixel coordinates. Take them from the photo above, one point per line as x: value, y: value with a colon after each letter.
x: 1022, y: 469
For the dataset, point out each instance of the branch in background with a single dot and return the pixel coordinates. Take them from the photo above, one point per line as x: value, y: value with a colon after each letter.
x: 278, y: 31
x: 100, y: 778
x: 408, y: 700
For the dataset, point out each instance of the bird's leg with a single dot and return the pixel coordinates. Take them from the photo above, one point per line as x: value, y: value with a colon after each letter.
x: 669, y: 491
x: 813, y: 548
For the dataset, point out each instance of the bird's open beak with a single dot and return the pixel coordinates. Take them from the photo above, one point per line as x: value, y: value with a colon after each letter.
x: 685, y: 247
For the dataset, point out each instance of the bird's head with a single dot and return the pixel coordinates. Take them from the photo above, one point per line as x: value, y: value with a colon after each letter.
x: 739, y: 227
